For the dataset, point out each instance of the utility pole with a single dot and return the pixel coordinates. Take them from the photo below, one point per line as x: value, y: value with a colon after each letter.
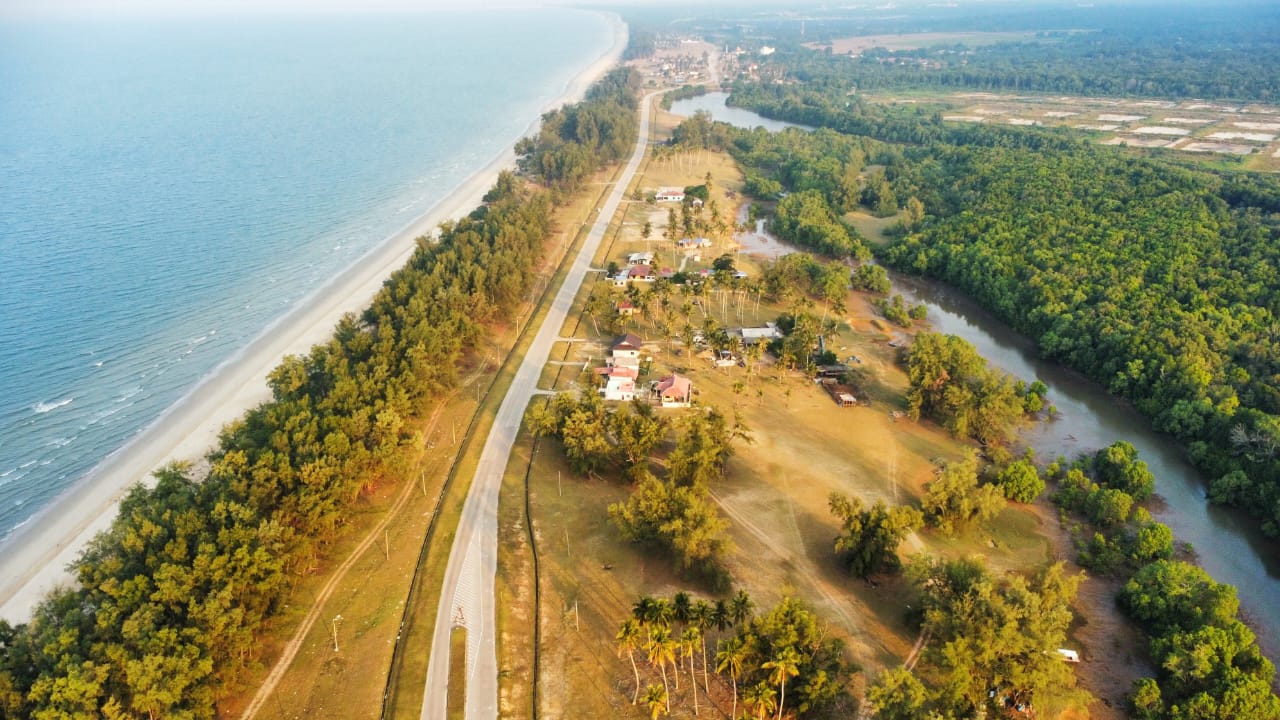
x: 336, y: 619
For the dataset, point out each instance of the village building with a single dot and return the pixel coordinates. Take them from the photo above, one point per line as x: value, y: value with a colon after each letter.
x: 640, y: 258
x: 621, y: 389
x: 620, y: 382
x: 668, y: 194
x: 625, y: 308
x: 641, y: 273
x: 693, y: 243
x: 626, y: 351
x: 674, y: 391
x: 752, y: 335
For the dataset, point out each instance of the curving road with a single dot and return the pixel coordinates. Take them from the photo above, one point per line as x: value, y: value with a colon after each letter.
x: 467, y: 597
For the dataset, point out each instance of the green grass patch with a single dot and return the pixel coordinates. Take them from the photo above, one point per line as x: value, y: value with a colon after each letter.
x: 456, y: 705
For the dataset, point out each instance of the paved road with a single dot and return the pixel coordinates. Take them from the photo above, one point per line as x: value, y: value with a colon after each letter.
x: 467, y: 598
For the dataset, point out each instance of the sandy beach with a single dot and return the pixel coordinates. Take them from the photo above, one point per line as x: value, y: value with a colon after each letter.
x: 34, y: 559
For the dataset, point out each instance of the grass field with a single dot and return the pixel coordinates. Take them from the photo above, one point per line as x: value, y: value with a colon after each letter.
x: 774, y: 495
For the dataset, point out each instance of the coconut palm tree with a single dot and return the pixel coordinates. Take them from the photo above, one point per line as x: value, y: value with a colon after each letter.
x: 720, y: 615
x: 689, y: 641
x: 731, y: 658
x: 661, y: 650
x: 680, y: 606
x: 652, y: 611
x: 785, y: 665
x: 629, y: 638
x: 655, y: 697
x: 741, y: 607
x: 700, y: 617
x: 760, y: 697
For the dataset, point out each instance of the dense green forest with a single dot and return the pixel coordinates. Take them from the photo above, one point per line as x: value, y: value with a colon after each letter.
x: 1158, y: 279
x: 173, y: 596
x: 1196, y: 51
x: 1208, y: 663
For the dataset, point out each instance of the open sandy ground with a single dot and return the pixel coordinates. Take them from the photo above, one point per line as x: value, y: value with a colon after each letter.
x: 34, y: 559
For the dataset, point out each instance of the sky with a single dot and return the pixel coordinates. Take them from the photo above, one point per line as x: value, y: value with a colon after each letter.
x: 174, y: 7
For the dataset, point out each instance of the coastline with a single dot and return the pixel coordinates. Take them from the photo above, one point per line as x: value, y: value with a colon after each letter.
x: 33, y: 560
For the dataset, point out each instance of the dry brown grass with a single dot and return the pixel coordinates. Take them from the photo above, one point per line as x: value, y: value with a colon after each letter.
x: 775, y: 496
x: 320, y: 683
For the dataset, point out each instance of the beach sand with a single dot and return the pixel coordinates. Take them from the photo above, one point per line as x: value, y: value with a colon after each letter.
x: 34, y: 559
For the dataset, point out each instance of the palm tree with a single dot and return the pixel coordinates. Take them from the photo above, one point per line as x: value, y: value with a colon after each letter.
x: 732, y: 656
x: 720, y: 615
x: 681, y: 604
x: 629, y: 636
x: 642, y: 610
x: 760, y: 696
x: 655, y: 697
x: 700, y: 617
x: 652, y: 611
x: 661, y: 651
x: 741, y: 607
x: 785, y: 665
x: 689, y: 645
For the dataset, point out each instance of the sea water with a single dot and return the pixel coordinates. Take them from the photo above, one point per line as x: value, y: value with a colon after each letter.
x: 169, y: 187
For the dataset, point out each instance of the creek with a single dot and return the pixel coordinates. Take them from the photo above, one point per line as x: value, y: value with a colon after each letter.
x: 1227, y: 544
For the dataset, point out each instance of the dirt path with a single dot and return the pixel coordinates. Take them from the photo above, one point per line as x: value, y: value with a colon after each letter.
x: 304, y: 628
x: 796, y: 562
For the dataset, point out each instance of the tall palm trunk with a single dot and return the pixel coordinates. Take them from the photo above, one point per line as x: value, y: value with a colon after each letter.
x: 632, y: 654
x: 782, y: 696
x: 734, y: 677
x: 706, y: 682
x: 666, y: 689
x: 693, y: 674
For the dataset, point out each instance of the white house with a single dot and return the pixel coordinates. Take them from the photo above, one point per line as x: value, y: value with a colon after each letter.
x: 619, y: 388
x: 668, y: 194
x: 640, y: 258
x: 626, y: 352
x: 768, y: 332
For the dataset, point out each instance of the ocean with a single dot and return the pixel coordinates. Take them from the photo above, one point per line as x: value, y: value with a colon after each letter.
x: 168, y: 188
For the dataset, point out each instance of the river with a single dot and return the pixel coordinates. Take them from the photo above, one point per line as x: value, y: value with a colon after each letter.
x: 1227, y: 545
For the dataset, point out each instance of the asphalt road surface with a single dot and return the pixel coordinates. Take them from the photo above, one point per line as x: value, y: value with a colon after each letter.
x: 467, y: 599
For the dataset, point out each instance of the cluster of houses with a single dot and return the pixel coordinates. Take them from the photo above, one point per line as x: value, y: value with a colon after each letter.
x: 639, y: 269
x: 622, y: 370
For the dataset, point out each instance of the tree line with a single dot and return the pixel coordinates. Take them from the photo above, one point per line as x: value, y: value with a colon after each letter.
x: 171, y: 600
x: 1156, y: 278
x: 1208, y: 662
x: 574, y: 140
x: 1176, y: 55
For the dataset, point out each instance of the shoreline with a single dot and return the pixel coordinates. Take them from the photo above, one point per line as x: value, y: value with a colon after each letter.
x: 34, y: 558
